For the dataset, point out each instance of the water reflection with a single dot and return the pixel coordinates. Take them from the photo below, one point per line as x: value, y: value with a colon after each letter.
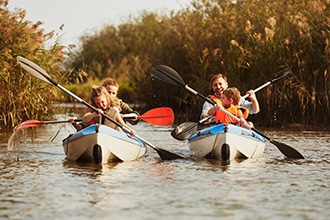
x: 85, y: 166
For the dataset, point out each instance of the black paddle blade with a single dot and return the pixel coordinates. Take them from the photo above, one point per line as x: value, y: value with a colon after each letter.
x: 167, y: 74
x: 183, y: 131
x: 288, y: 151
x: 166, y: 155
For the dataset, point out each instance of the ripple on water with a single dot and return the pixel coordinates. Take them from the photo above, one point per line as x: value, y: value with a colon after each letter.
x: 42, y: 184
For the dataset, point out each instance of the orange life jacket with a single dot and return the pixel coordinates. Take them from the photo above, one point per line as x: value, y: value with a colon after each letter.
x: 215, y: 99
x: 238, y: 111
x: 221, y: 117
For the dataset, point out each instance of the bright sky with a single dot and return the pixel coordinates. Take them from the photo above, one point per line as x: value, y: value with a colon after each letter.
x: 83, y: 16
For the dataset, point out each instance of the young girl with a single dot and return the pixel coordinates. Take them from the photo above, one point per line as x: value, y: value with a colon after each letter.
x: 229, y: 102
x: 106, y: 104
x: 127, y: 113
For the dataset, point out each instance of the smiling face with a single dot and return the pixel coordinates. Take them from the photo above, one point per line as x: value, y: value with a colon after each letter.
x: 100, y: 98
x: 101, y: 102
x: 219, y: 84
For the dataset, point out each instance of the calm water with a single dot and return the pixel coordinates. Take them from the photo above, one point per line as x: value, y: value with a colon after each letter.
x: 38, y: 183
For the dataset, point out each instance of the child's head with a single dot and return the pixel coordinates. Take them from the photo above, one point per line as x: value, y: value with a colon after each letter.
x: 100, y: 98
x: 111, y: 86
x: 230, y: 96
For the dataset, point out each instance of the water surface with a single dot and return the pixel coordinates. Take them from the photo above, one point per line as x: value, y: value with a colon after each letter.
x: 38, y: 183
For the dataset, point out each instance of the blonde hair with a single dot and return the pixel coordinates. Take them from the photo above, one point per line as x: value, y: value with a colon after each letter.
x: 232, y: 93
x: 98, y: 91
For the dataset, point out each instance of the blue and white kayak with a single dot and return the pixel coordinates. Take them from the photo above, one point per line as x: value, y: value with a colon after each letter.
x: 101, y: 144
x: 226, y: 142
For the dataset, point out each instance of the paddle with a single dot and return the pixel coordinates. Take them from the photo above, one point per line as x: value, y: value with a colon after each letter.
x: 38, y: 72
x: 161, y: 116
x: 35, y: 123
x: 186, y: 129
x: 169, y: 75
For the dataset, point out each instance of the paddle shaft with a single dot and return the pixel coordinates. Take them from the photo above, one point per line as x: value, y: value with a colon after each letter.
x: 266, y: 84
x: 36, y: 123
x: 59, y: 122
x: 145, y: 118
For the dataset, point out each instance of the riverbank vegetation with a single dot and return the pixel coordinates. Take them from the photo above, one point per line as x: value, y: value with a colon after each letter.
x: 23, y: 97
x: 250, y: 41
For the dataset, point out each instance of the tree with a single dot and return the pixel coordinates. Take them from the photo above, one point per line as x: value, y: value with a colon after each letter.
x: 250, y: 41
x: 23, y: 97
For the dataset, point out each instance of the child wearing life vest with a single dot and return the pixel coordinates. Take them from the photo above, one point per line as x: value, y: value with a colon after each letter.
x: 229, y: 102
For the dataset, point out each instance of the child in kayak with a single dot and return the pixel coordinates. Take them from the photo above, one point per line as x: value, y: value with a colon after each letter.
x: 229, y: 102
x: 127, y: 113
x: 219, y: 84
x: 105, y: 104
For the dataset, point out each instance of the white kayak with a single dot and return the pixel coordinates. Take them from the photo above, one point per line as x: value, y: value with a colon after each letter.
x: 101, y: 144
x: 226, y: 142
